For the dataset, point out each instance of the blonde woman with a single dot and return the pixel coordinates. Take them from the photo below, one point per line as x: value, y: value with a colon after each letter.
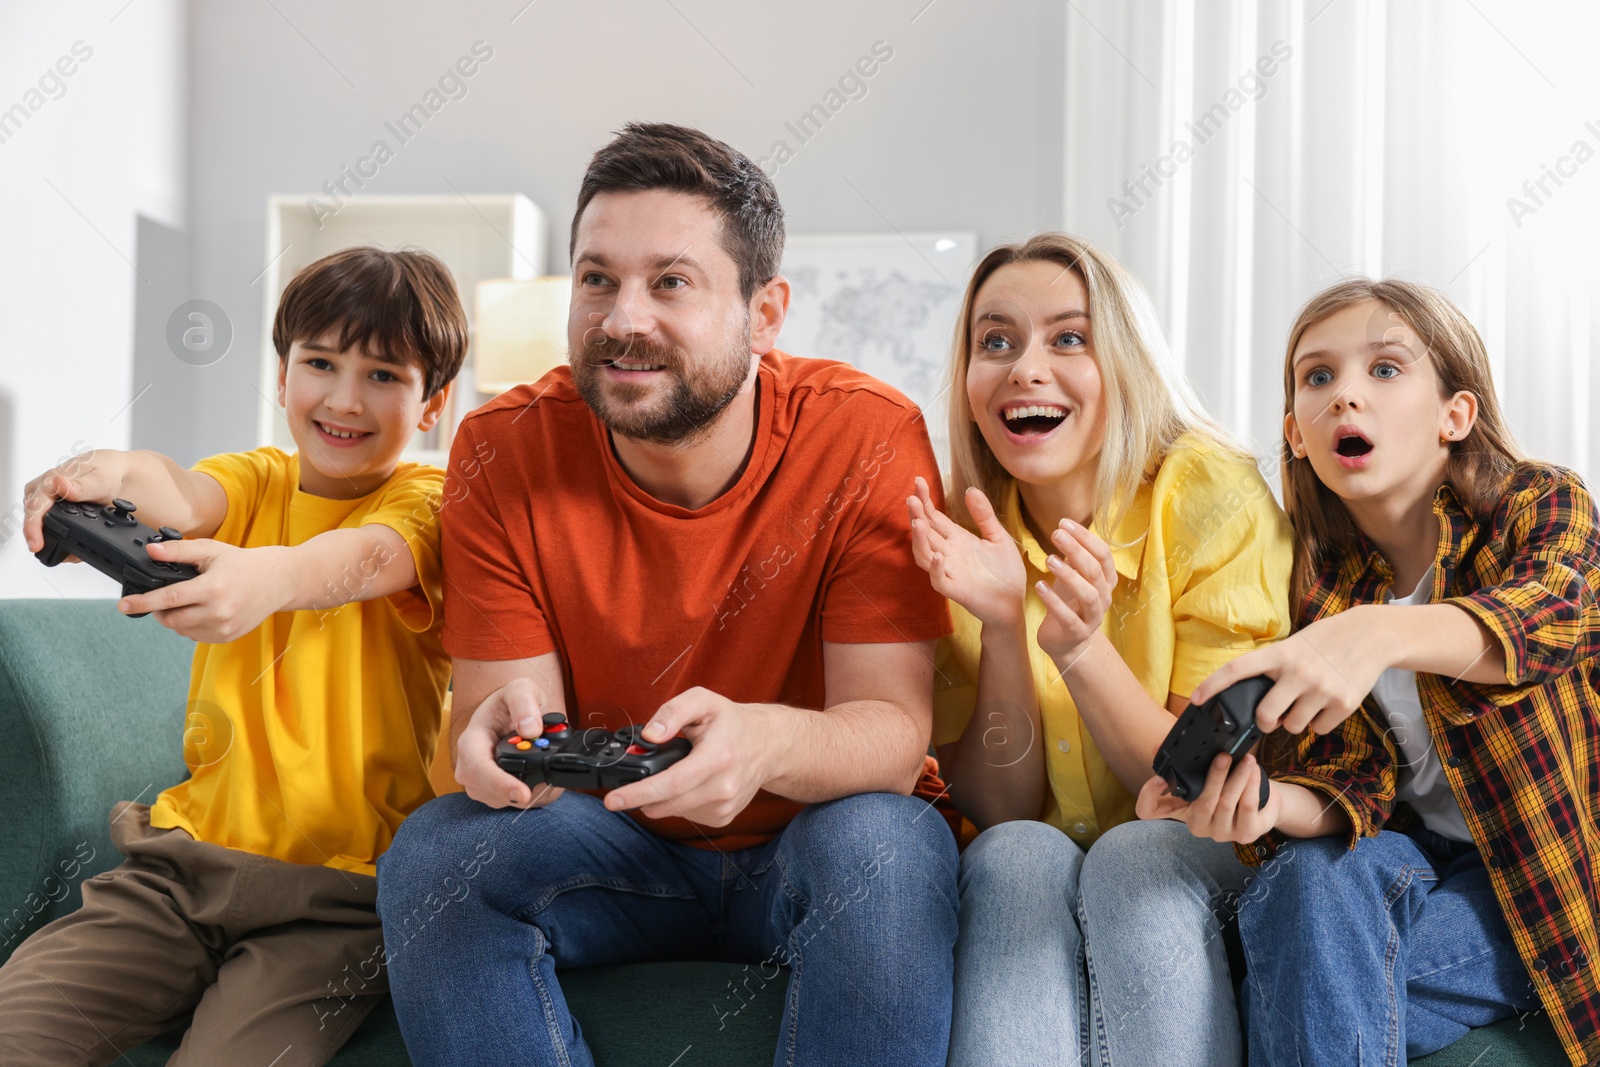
x: 1108, y: 548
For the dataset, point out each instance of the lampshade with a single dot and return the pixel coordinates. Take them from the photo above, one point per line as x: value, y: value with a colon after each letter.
x: 520, y: 330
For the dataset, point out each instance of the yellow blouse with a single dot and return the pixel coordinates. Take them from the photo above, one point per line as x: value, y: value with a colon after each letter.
x: 1202, y: 558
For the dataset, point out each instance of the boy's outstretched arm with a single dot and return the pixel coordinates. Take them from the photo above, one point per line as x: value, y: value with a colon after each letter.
x: 343, y: 566
x: 239, y: 587
x: 165, y: 493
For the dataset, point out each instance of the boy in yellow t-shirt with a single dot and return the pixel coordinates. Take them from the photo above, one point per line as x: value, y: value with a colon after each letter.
x: 248, y: 895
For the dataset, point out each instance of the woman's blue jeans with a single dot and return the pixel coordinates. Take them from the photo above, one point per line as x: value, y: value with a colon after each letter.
x: 1115, y: 957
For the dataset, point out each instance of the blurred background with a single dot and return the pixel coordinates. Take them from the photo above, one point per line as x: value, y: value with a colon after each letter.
x: 165, y: 166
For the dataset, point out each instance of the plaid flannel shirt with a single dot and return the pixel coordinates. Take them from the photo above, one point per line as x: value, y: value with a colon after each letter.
x: 1522, y: 758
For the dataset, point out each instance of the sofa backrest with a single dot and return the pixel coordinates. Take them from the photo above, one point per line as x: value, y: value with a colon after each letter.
x: 91, y: 712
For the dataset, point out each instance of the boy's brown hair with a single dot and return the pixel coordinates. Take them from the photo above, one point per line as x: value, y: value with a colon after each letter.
x: 658, y: 155
x: 400, y: 305
x: 1478, y: 465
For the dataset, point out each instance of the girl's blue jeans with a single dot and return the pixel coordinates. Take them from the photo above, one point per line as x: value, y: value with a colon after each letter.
x: 1371, y: 955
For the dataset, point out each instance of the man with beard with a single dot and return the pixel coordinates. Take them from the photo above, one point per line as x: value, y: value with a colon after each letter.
x: 690, y: 530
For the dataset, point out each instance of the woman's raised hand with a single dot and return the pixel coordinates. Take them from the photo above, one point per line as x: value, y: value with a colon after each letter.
x: 982, y: 572
x: 1078, y: 596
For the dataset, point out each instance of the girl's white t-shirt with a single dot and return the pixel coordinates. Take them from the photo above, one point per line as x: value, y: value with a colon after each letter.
x: 1421, y: 782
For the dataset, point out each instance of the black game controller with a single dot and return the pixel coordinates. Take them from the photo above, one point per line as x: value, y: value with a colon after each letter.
x: 1225, y: 723
x: 585, y: 759
x: 112, y: 541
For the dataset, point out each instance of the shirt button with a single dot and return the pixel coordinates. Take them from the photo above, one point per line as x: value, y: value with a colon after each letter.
x: 1064, y: 745
x: 1261, y: 852
x: 1454, y: 761
x: 1080, y: 828
x: 1540, y: 965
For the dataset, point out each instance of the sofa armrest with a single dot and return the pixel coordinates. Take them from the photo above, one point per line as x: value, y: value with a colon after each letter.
x: 92, y: 706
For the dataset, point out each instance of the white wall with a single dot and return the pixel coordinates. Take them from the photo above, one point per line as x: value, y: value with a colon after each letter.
x: 959, y: 130
x: 95, y: 151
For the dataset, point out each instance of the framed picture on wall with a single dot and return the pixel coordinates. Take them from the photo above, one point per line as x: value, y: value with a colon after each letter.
x: 886, y: 303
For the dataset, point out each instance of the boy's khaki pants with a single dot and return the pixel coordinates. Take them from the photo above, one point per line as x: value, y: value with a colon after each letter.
x: 278, y: 962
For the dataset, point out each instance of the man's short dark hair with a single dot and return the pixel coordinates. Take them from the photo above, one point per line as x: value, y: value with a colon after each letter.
x: 402, y: 305
x: 657, y: 155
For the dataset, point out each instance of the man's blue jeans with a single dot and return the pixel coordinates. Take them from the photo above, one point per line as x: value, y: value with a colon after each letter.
x: 857, y: 897
x: 1368, y: 956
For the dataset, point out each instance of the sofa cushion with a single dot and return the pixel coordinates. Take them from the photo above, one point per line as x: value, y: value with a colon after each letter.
x: 1516, y: 1042
x: 91, y: 712
x: 630, y: 1014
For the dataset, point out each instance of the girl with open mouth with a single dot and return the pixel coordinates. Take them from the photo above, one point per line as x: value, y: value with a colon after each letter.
x: 1431, y: 728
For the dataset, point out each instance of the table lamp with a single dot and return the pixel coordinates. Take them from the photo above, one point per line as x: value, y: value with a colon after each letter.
x: 520, y: 330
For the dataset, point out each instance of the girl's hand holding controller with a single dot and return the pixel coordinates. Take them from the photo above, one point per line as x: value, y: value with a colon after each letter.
x: 95, y: 477
x: 1226, y: 810
x: 1322, y: 673
x: 237, y: 589
x: 515, y: 708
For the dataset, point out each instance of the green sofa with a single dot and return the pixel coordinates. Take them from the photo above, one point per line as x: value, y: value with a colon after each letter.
x: 91, y: 712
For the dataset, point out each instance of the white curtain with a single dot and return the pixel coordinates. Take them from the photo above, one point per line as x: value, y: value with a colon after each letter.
x: 1239, y: 156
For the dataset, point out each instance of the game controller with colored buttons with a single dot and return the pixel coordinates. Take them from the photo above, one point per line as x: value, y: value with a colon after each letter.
x: 1225, y: 723
x: 112, y: 541
x: 585, y: 759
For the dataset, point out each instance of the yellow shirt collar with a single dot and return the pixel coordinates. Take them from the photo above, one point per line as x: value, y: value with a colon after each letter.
x: 1127, y: 543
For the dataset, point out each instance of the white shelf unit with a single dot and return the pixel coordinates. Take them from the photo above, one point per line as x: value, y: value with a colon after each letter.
x: 476, y: 237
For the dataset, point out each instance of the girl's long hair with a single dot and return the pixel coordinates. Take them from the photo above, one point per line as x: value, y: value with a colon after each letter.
x: 1148, y: 408
x: 1479, y: 464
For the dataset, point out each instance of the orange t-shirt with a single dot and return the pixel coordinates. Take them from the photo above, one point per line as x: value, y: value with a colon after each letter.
x: 550, y: 545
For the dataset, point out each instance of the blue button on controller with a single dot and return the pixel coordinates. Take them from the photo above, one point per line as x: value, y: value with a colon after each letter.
x: 540, y: 742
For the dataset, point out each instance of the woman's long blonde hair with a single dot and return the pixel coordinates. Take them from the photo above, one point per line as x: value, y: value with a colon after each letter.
x: 1478, y: 465
x: 1148, y: 408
